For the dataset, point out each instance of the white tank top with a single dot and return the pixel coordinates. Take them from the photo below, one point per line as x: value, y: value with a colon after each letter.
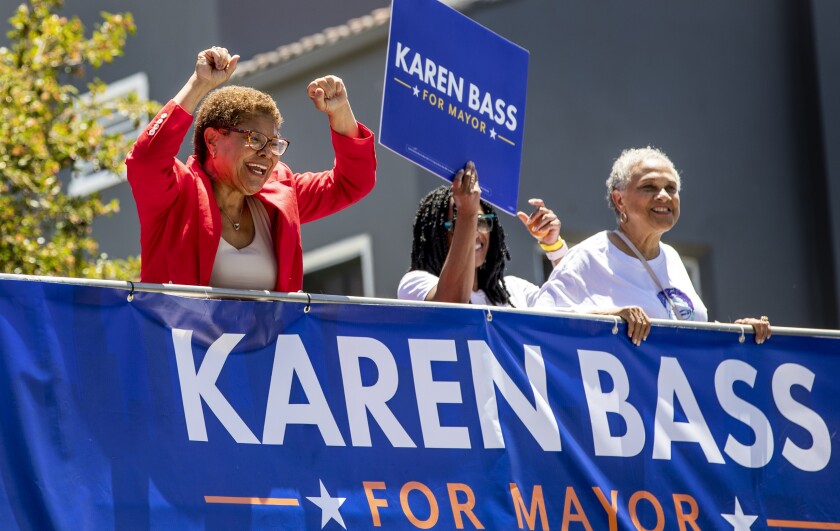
x: 253, y: 266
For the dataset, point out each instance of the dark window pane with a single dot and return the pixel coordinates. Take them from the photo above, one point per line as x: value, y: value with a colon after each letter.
x: 340, y: 279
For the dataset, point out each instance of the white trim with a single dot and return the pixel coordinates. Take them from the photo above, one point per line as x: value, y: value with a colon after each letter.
x: 85, y: 179
x: 360, y: 246
x: 692, y: 266
x: 277, y: 74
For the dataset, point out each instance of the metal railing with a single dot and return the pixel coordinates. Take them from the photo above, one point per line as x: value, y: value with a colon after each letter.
x: 308, y: 298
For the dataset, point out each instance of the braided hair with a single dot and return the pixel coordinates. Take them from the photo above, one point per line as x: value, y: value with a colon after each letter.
x: 430, y: 246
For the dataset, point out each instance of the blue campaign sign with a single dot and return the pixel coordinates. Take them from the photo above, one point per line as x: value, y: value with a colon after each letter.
x: 454, y: 91
x: 164, y: 412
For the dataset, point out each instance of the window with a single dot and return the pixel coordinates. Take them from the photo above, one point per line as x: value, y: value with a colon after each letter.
x: 692, y: 265
x: 86, y: 179
x: 341, y: 268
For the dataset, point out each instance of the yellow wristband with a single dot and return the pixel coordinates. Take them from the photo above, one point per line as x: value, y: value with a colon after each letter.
x: 554, y: 246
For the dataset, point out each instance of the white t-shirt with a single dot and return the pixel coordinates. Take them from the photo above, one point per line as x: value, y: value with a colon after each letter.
x: 253, y: 266
x: 596, y: 275
x: 415, y: 285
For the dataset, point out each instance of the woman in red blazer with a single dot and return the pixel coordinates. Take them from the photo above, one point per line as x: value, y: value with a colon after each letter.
x: 230, y: 216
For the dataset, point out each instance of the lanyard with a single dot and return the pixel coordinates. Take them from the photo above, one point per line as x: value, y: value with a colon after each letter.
x: 644, y: 262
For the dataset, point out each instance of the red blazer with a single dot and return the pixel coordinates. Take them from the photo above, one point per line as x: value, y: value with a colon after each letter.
x: 180, y: 223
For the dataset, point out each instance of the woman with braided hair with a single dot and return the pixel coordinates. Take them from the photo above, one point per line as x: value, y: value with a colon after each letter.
x: 459, y: 249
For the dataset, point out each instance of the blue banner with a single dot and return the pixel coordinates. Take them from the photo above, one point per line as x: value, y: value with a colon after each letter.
x: 454, y: 91
x: 166, y: 412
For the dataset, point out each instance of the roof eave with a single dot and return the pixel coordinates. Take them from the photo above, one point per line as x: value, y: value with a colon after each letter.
x: 277, y: 72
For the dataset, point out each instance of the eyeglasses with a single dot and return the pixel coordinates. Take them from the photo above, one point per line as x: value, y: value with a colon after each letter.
x: 485, y: 223
x: 257, y: 141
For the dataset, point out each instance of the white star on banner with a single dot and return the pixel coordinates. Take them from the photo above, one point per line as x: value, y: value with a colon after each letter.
x: 329, y: 506
x: 493, y: 133
x: 739, y: 520
x: 416, y: 91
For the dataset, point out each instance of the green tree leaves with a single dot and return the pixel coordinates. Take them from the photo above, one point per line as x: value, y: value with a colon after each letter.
x: 45, y: 129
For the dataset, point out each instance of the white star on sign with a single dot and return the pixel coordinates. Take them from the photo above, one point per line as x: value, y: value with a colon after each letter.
x: 416, y: 91
x: 493, y: 133
x: 739, y: 520
x: 329, y: 506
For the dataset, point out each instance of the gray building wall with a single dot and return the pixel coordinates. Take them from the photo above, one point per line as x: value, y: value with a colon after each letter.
x: 169, y: 35
x: 739, y: 94
x: 723, y: 88
x: 826, y: 14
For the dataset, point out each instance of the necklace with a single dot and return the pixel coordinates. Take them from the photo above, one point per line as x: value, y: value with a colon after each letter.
x: 236, y: 224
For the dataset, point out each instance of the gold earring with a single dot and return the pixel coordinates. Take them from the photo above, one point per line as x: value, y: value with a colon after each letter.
x: 623, y: 216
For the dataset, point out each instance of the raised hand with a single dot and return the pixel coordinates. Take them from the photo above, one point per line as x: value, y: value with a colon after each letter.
x: 542, y: 223
x: 215, y: 66
x: 466, y: 193
x: 329, y: 95
x: 457, y: 276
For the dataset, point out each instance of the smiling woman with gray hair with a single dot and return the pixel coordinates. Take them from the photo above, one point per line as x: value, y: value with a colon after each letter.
x: 230, y: 217
x: 629, y: 272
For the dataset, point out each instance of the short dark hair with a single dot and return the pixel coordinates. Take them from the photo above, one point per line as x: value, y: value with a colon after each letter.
x: 430, y: 245
x: 228, y: 107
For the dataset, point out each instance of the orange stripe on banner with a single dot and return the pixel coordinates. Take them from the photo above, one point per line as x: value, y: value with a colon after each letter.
x: 244, y: 500
x: 506, y: 140
x: 797, y: 524
x: 401, y: 82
